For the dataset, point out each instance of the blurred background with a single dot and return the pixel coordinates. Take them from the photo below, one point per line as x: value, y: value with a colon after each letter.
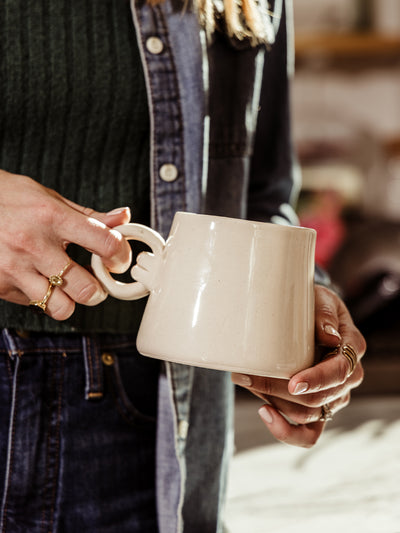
x: 346, y: 119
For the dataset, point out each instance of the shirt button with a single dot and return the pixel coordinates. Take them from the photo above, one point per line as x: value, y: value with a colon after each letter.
x: 154, y: 45
x: 168, y: 172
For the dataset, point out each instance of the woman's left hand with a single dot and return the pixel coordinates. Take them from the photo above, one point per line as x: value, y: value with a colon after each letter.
x: 322, y: 389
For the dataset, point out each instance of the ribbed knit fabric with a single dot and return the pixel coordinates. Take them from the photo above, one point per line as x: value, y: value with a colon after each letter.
x: 74, y: 116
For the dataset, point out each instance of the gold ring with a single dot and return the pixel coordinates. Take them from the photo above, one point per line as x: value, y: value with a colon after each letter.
x: 351, y: 355
x: 326, y: 413
x: 54, y: 281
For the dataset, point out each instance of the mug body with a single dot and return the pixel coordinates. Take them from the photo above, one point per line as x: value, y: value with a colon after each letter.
x: 233, y: 295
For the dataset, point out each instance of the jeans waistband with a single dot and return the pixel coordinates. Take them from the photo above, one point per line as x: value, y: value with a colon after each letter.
x: 92, y: 347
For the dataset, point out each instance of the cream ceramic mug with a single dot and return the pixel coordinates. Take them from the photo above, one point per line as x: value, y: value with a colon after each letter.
x: 225, y: 293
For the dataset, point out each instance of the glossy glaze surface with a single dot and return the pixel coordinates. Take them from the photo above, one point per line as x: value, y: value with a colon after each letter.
x: 230, y: 294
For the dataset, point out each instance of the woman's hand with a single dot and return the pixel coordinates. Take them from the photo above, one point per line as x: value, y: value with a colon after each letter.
x: 328, y: 383
x: 36, y: 226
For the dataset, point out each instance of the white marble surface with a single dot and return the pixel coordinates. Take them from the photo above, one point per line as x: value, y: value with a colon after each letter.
x: 349, y: 482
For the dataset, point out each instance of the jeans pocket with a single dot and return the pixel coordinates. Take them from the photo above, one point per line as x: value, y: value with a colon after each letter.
x: 135, y: 397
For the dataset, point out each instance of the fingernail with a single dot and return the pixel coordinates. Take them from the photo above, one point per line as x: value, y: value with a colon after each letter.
x: 330, y: 330
x: 97, y: 298
x: 118, y: 211
x: 243, y: 380
x: 265, y: 414
x: 301, y: 388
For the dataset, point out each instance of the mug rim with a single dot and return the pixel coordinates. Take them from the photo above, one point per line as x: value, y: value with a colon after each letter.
x: 243, y: 221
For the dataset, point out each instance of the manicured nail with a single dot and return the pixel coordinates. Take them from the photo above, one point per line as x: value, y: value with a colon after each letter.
x: 243, y: 380
x: 330, y: 330
x: 118, y: 211
x: 301, y: 388
x: 265, y: 414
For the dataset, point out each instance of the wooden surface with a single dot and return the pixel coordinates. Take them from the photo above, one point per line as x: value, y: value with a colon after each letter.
x: 344, y: 48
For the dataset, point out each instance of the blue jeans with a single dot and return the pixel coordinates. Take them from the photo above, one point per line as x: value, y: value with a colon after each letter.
x: 78, y: 431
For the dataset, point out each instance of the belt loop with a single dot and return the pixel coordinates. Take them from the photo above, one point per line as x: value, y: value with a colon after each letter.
x: 10, y: 342
x: 93, y: 368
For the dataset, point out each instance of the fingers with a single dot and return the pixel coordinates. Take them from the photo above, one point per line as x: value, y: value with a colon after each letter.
x: 263, y: 386
x: 120, y: 215
x: 304, y: 435
x: 267, y: 388
x: 36, y: 226
x: 301, y: 414
x: 78, y: 286
x: 333, y: 322
x: 298, y: 426
x: 327, y: 377
x: 72, y: 223
x: 98, y: 238
x: 334, y: 327
x: 295, y: 421
x: 328, y: 382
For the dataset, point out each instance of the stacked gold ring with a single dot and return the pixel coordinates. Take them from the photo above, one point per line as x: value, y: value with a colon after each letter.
x: 351, y: 355
x: 54, y: 281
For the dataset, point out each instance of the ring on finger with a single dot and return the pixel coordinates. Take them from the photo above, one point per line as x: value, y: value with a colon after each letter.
x: 326, y: 413
x: 54, y: 281
x: 351, y: 356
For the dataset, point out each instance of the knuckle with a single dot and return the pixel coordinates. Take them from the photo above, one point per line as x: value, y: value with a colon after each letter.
x: 23, y: 242
x: 304, y: 416
x: 310, y: 416
x: 47, y: 214
x: 316, y: 400
x: 327, y: 396
x: 327, y: 310
x: 64, y: 310
x: 112, y: 244
x: 363, y: 345
x: 87, y: 211
x: 343, y: 371
x: 87, y: 293
x: 360, y: 370
x: 357, y: 376
x: 346, y: 399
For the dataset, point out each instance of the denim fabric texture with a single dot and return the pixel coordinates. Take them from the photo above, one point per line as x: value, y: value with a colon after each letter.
x: 79, y: 453
x: 220, y: 115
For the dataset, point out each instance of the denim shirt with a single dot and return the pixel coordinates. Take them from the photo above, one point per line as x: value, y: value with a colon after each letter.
x: 220, y: 144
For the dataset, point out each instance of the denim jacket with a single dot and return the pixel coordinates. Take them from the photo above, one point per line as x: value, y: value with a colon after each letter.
x: 220, y: 144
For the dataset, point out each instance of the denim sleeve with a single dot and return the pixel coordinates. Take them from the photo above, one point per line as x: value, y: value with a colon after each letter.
x: 274, y: 175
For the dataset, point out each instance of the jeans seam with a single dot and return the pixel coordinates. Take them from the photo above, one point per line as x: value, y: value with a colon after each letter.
x: 48, y: 527
x: 90, y: 367
x: 94, y: 381
x: 9, y: 370
x: 11, y: 442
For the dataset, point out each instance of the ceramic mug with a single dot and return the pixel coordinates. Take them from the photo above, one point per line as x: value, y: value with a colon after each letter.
x: 225, y: 293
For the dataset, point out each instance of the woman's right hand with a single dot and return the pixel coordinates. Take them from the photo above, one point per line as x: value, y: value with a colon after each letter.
x: 36, y: 226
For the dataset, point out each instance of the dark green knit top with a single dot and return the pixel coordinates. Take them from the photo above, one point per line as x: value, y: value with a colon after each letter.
x: 74, y: 116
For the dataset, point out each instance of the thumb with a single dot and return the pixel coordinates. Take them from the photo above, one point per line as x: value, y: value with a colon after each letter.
x: 120, y: 215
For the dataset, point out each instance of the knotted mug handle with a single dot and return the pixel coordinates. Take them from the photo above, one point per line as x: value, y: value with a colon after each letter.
x: 136, y: 289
